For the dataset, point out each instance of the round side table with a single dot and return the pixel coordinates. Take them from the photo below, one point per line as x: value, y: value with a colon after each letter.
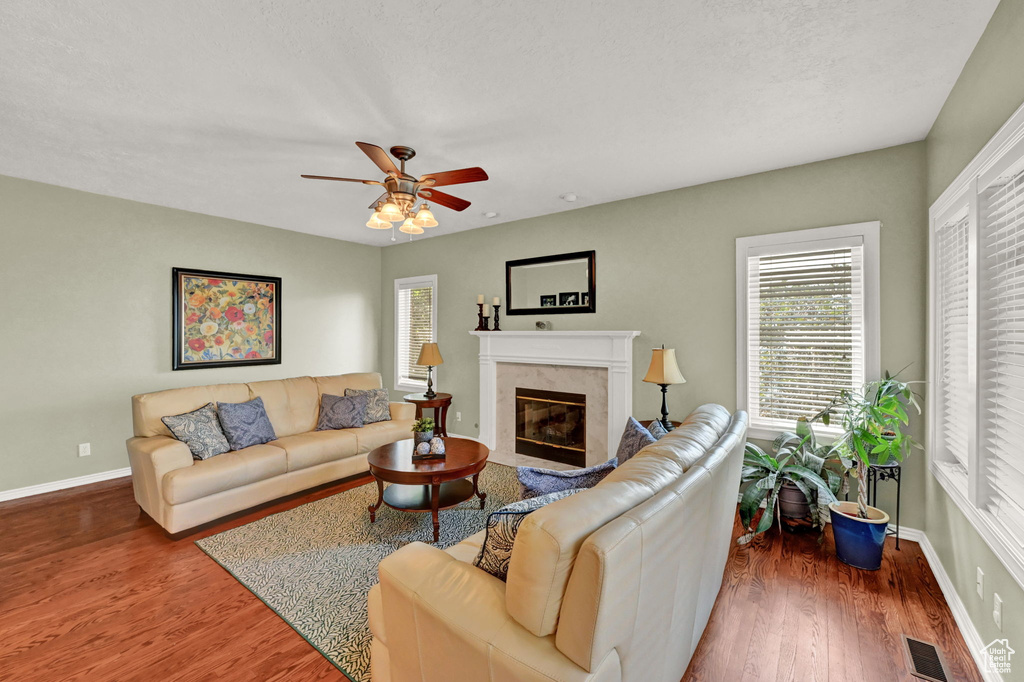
x: 440, y: 403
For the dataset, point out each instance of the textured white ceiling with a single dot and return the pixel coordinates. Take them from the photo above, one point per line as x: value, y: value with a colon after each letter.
x: 217, y: 107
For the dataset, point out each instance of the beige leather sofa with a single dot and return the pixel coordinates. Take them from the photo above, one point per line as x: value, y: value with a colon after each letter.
x: 181, y: 493
x: 613, y: 583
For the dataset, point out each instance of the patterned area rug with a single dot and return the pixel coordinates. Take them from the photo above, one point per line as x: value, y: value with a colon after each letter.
x: 314, y: 565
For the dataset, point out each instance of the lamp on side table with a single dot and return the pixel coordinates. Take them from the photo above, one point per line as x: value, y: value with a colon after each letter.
x: 664, y: 371
x: 431, y: 357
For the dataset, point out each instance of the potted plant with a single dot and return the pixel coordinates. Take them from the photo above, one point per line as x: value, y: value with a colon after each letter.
x: 423, y: 430
x: 873, y: 419
x: 797, y: 480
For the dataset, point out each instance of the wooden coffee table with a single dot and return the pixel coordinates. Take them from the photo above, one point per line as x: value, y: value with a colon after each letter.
x: 427, y: 485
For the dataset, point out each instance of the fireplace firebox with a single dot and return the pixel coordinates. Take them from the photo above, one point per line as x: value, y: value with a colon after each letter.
x: 552, y: 425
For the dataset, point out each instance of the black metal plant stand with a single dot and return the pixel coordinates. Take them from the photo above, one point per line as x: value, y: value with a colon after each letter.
x: 891, y: 471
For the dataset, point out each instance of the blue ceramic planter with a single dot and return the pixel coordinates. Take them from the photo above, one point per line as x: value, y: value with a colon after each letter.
x: 859, y: 542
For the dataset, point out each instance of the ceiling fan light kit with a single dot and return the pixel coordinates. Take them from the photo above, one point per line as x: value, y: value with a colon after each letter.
x: 398, y: 203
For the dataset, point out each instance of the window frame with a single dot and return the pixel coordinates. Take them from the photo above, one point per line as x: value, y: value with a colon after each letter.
x: 794, y: 241
x: 401, y: 283
x: 967, y: 491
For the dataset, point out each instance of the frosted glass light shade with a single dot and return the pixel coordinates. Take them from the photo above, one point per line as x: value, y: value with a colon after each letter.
x: 424, y: 218
x: 376, y: 223
x: 409, y: 228
x: 391, y: 212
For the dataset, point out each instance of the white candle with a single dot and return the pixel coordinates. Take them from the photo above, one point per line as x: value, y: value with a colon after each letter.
x: 496, y: 301
x: 487, y: 310
x: 480, y: 298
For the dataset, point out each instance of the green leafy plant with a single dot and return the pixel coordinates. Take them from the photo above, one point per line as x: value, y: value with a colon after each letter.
x: 798, y: 458
x: 873, y: 419
x: 423, y: 425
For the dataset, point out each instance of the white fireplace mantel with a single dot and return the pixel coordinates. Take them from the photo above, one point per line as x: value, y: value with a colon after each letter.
x: 612, y: 350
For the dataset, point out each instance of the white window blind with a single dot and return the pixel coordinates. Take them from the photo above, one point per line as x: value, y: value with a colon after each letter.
x: 1001, y: 346
x: 976, y: 349
x: 952, y: 380
x: 414, y: 325
x: 806, y: 329
x: 807, y: 321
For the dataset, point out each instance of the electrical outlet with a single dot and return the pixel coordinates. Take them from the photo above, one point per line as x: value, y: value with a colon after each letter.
x: 458, y: 416
x: 981, y: 583
x: 997, y: 611
x: 84, y: 449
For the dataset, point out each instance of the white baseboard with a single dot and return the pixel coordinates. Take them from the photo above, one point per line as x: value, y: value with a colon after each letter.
x: 459, y: 435
x: 41, y: 488
x: 963, y: 621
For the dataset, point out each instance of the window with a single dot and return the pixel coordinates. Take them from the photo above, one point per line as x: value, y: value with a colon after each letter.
x: 976, y: 350
x: 807, y: 311
x: 415, y: 324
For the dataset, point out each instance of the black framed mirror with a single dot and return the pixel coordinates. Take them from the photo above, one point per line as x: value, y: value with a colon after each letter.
x: 551, y: 285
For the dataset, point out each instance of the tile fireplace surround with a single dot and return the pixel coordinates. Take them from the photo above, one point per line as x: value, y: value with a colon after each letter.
x: 502, y: 359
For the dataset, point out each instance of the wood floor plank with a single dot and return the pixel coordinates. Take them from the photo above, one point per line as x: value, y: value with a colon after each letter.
x: 92, y: 589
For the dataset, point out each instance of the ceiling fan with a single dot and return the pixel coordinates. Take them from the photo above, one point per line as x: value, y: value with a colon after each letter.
x: 401, y: 190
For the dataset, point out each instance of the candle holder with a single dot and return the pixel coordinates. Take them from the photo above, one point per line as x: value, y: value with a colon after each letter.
x: 497, y: 307
x: 485, y: 329
x: 480, y: 324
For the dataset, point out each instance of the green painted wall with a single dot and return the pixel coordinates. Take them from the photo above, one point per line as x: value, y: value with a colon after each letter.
x: 86, y: 310
x: 989, y: 90
x: 673, y: 278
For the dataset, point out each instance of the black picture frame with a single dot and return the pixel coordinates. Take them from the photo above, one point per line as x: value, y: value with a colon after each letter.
x: 265, y: 299
x: 591, y: 299
x: 548, y: 301
x: 569, y: 298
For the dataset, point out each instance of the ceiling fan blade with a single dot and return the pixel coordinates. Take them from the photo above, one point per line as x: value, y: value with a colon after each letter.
x: 381, y: 198
x: 328, y: 177
x: 456, y: 177
x: 379, y: 157
x: 454, y: 203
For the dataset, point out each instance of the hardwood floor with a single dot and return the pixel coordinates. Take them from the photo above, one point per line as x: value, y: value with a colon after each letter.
x: 92, y: 589
x: 790, y: 610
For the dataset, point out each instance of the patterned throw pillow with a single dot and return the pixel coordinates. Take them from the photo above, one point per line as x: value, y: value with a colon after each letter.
x: 245, y: 424
x: 502, y: 527
x: 535, y: 482
x: 341, y: 413
x: 657, y: 429
x: 378, y: 409
x: 200, y: 431
x: 634, y: 439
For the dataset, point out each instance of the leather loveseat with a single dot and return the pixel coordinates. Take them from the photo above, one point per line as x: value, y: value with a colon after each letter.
x: 181, y: 493
x: 613, y: 583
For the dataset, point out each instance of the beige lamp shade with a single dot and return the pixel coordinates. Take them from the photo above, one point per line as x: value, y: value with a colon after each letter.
x: 430, y: 355
x: 663, y: 369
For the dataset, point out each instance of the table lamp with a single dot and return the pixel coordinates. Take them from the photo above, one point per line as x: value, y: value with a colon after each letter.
x: 431, y: 357
x: 664, y: 371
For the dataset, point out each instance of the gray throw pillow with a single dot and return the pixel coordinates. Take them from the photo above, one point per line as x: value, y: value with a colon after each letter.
x: 245, y: 424
x: 200, y: 431
x: 337, y: 412
x: 536, y: 482
x: 502, y: 526
x: 657, y: 429
x: 378, y: 408
x: 634, y: 439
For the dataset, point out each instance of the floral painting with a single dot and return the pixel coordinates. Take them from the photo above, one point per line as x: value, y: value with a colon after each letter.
x: 223, y: 319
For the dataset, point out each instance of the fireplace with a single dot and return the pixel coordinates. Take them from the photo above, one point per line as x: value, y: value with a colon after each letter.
x: 552, y: 425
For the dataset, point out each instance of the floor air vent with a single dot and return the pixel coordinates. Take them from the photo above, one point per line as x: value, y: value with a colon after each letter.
x: 925, y: 660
